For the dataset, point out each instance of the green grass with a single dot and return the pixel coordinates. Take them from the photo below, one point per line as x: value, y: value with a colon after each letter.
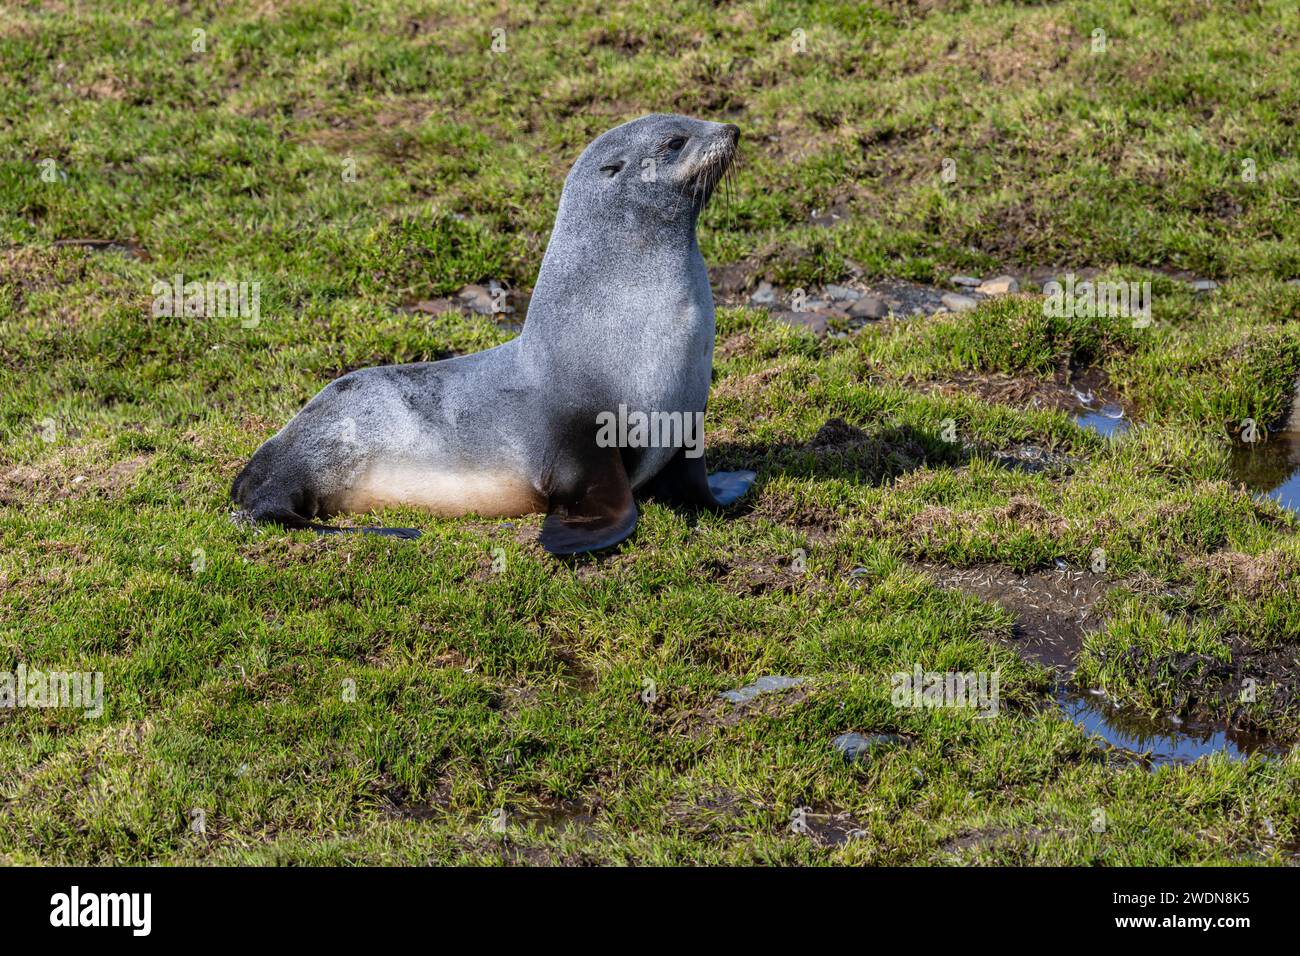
x: 351, y: 700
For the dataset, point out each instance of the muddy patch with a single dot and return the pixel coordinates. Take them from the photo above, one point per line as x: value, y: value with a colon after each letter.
x: 1029, y: 457
x: 715, y: 813
x: 505, y: 306
x: 826, y: 829
x: 1052, y: 609
x: 69, y: 474
x: 1085, y: 395
x: 888, y: 453
x: 566, y: 818
x: 757, y: 577
x: 973, y: 841
x: 774, y: 697
x: 125, y: 247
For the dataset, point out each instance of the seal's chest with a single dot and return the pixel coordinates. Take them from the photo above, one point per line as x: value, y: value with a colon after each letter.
x: 445, y: 491
x: 671, y: 363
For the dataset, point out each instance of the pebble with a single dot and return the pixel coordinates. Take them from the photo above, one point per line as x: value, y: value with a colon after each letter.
x: 842, y: 293
x: 1002, y: 285
x: 477, y: 298
x: 764, y: 294
x: 958, y: 303
x: 814, y: 323
x: 1204, y: 285
x: 968, y: 281
x: 869, y: 307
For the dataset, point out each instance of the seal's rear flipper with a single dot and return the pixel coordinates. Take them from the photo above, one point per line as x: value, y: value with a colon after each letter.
x: 600, y: 517
x: 687, y: 482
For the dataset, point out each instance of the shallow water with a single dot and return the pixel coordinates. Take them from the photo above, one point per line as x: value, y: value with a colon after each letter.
x: 764, y: 685
x: 1160, y: 741
x: 1271, y: 468
x: 1093, y: 413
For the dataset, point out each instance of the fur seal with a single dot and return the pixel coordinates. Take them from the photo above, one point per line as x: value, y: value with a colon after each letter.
x: 621, y: 318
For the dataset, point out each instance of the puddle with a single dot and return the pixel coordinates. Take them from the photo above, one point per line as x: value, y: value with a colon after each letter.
x: 1086, y: 395
x: 855, y: 746
x: 764, y: 685
x: 1092, y: 412
x: 568, y: 818
x: 1031, y: 458
x: 1270, y: 468
x: 1158, y: 741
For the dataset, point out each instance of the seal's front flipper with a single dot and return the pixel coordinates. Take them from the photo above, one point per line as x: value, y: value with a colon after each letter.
x: 686, y: 481
x: 406, y: 534
x: 600, y: 516
x: 728, y: 487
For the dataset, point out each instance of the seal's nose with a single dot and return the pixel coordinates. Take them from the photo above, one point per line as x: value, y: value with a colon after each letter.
x: 734, y: 132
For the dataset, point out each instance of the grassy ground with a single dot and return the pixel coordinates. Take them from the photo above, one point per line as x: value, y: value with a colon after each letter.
x: 230, y: 657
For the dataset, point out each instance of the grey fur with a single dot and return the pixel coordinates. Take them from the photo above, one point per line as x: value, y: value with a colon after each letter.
x: 622, y: 313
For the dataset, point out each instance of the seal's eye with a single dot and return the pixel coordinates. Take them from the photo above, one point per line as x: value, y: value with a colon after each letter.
x: 676, y: 143
x: 611, y: 169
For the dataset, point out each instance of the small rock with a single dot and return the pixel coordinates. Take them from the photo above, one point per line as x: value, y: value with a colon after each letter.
x: 477, y: 298
x: 816, y: 324
x: 857, y: 746
x: 958, y: 303
x: 869, y: 307
x: 764, y: 685
x: 968, y: 281
x: 1002, y: 285
x: 1203, y: 285
x: 842, y: 293
x: 764, y: 294
x: 1293, y: 281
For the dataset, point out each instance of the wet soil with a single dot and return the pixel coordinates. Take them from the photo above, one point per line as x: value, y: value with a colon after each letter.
x: 1052, y: 609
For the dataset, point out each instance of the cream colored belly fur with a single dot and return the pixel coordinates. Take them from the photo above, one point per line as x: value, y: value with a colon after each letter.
x: 450, y: 494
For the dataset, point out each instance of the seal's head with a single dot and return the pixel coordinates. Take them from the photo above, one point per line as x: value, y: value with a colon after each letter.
x: 661, y: 167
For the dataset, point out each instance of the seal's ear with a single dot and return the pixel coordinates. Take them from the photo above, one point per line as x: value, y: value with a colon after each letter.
x: 686, y: 482
x: 600, y: 516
